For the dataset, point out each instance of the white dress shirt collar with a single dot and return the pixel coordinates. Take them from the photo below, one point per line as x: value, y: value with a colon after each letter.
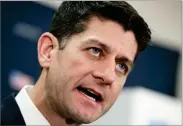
x: 30, y: 113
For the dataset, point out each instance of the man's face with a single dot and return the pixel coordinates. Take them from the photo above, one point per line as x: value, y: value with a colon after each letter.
x: 86, y: 77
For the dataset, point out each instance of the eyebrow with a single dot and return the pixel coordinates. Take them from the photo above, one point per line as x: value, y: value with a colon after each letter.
x: 99, y: 43
x: 107, y: 49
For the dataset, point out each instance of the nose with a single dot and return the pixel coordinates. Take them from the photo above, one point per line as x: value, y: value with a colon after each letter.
x: 105, y: 73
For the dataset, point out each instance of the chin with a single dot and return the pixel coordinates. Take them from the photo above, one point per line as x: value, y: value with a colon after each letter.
x: 83, y: 118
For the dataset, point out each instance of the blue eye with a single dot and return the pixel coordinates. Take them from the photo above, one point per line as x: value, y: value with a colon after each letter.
x: 122, y: 68
x: 95, y: 51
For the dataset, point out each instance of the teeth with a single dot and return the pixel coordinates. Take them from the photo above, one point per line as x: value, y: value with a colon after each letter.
x: 89, y: 97
x: 91, y: 92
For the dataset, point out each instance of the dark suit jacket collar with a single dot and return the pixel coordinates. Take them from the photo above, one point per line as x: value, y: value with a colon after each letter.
x: 10, y: 112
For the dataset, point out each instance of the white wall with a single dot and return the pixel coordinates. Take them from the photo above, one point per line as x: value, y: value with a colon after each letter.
x: 164, y: 18
x: 141, y: 106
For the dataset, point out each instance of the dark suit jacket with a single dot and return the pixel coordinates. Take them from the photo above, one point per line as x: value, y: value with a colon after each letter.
x: 10, y: 112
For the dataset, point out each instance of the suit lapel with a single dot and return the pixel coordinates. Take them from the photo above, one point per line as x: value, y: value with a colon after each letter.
x: 10, y: 112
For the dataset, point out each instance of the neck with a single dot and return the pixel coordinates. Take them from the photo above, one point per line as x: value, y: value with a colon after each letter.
x: 38, y: 97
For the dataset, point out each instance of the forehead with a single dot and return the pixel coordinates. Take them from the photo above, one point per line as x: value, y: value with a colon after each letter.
x: 122, y: 43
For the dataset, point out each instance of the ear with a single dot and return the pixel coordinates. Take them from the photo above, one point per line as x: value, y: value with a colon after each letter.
x: 47, y: 45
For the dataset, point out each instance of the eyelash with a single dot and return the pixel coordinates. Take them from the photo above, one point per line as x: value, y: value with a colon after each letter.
x: 125, y: 67
x: 101, y: 53
x: 95, y: 48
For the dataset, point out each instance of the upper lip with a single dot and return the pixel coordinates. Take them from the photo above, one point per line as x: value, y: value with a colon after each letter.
x: 95, y: 90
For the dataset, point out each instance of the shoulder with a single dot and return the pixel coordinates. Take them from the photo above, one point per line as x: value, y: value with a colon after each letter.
x: 10, y: 112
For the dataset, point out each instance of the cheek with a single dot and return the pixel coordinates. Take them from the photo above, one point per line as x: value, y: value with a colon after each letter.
x: 77, y: 64
x: 117, y: 88
x: 79, y: 67
x: 119, y: 84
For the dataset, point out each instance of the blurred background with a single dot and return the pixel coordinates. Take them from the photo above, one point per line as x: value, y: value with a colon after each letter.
x: 153, y: 92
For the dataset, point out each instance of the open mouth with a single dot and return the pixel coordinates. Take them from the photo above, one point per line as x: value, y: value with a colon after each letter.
x: 96, y: 97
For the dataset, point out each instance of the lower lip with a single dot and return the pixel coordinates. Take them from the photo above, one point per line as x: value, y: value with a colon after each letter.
x: 88, y: 99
